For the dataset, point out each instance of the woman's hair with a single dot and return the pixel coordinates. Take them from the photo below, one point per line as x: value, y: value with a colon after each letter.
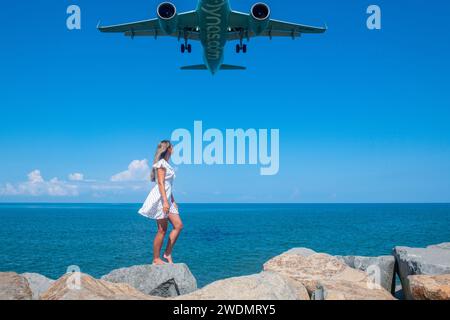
x: 161, y: 153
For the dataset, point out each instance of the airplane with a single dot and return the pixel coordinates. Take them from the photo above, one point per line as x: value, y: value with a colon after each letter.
x: 213, y: 23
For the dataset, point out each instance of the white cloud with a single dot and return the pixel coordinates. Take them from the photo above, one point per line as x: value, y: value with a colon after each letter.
x: 37, y: 186
x: 76, y: 177
x: 35, y: 177
x: 133, y: 180
x: 138, y: 170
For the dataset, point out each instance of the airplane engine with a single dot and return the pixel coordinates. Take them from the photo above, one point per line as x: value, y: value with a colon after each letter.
x: 259, y: 17
x: 168, y: 16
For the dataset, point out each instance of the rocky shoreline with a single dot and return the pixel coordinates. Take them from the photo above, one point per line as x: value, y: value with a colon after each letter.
x: 298, y: 274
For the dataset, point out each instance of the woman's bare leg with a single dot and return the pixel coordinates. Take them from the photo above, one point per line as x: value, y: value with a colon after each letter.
x: 159, y: 240
x: 177, y: 224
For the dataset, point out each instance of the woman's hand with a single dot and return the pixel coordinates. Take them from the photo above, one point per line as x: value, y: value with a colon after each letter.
x: 166, y: 207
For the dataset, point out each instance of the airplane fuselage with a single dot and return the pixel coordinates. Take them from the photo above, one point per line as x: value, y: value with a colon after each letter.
x: 213, y: 18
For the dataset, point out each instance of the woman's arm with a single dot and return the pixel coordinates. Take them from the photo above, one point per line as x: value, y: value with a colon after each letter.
x: 173, y: 201
x: 162, y: 188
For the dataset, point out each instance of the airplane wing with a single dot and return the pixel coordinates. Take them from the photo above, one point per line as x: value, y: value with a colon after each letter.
x: 187, y: 22
x: 239, y: 22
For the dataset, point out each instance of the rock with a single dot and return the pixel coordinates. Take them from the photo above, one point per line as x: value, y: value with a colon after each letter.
x: 88, y: 288
x: 263, y: 286
x: 445, y: 246
x: 162, y: 281
x: 310, y: 270
x: 327, y: 272
x: 299, y: 288
x: 348, y: 290
x: 38, y: 284
x: 424, y: 287
x: 14, y: 287
x: 384, y: 264
x: 434, y: 260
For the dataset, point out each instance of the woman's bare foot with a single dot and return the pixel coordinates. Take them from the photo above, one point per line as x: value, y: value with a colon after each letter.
x: 158, y: 262
x: 168, y: 258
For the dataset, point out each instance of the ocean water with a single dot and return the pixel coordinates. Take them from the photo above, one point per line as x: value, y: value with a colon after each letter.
x: 219, y: 240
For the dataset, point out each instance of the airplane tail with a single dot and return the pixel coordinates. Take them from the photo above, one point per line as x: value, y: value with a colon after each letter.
x: 222, y: 67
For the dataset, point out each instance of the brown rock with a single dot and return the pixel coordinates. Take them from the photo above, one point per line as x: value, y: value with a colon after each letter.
x: 312, y: 269
x: 88, y: 288
x: 299, y: 288
x: 347, y: 290
x: 263, y: 286
x: 430, y: 287
x: 14, y: 287
x: 338, y: 280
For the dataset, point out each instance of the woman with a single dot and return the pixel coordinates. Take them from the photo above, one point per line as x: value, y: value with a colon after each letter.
x: 158, y: 207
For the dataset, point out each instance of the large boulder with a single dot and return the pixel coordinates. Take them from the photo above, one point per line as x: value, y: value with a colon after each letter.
x: 156, y: 280
x: 38, y: 284
x: 384, y: 266
x: 430, y: 287
x: 433, y: 260
x: 78, y: 286
x: 14, y: 287
x: 328, y: 274
x: 312, y: 269
x: 263, y: 286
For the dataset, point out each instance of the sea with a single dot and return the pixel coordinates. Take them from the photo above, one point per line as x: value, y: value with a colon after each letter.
x: 219, y: 240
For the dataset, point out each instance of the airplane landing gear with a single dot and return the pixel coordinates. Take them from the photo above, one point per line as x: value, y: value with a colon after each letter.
x: 242, y: 48
x: 186, y: 47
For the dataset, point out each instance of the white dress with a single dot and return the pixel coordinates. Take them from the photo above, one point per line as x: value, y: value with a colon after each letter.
x: 153, y: 206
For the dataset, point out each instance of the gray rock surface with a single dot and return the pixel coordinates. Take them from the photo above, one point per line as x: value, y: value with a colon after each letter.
x: 445, y: 246
x: 433, y: 260
x: 161, y: 281
x: 263, y: 286
x: 14, y: 287
x: 38, y: 284
x: 386, y: 265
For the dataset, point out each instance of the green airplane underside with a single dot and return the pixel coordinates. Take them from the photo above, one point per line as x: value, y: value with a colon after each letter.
x: 213, y: 23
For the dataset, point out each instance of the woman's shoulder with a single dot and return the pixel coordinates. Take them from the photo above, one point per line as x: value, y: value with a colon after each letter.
x: 161, y: 164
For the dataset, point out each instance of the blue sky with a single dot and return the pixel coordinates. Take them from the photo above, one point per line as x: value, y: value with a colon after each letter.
x: 363, y: 115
